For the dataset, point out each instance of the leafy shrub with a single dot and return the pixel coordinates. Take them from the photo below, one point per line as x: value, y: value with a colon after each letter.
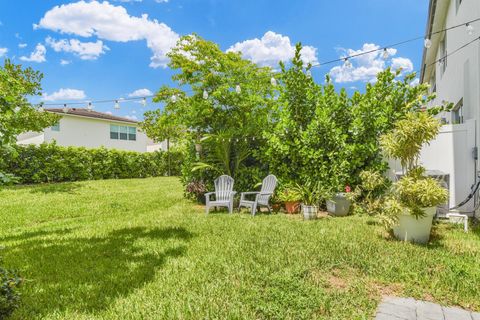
x: 52, y: 163
x: 9, y: 297
x: 368, y: 195
x: 414, y: 190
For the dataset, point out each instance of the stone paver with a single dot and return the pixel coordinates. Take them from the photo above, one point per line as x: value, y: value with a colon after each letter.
x: 394, y: 308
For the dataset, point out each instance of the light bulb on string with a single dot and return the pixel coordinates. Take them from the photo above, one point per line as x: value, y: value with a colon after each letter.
x: 90, y: 106
x: 173, y: 98
x: 144, y: 102
x: 470, y: 29
x: 347, y: 64
x: 117, y: 105
x: 40, y: 108
x: 205, y: 94
x: 427, y: 43
x: 273, y: 81
x: 309, y: 74
x: 385, y: 54
x: 16, y: 109
x: 238, y: 89
x: 65, y: 108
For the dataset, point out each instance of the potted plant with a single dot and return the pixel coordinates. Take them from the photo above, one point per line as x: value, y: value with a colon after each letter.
x: 311, y: 194
x: 291, y: 198
x: 339, y: 204
x: 410, y: 208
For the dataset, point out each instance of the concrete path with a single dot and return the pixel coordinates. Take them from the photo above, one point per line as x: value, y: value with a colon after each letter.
x: 393, y: 308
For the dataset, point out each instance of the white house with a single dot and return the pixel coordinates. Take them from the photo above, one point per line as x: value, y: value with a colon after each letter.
x: 81, y: 127
x: 453, y: 73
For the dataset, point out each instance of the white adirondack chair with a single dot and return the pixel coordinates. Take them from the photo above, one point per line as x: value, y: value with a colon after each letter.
x: 262, y: 197
x: 223, y: 194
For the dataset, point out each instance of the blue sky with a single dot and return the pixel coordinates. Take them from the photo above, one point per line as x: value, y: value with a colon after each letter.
x: 91, y: 50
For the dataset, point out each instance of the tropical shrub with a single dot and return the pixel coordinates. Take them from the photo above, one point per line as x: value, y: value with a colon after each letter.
x: 414, y: 191
x: 52, y: 163
x: 368, y: 196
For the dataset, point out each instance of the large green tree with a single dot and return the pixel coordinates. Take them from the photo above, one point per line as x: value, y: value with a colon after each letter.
x: 220, y: 101
x: 17, y: 115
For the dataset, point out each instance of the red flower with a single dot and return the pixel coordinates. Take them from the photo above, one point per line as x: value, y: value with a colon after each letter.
x: 348, y: 189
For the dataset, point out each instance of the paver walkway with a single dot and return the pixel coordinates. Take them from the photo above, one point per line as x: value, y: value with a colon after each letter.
x: 394, y: 308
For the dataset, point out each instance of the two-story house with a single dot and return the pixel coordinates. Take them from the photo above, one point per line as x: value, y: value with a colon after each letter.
x: 451, y: 65
x: 82, y: 127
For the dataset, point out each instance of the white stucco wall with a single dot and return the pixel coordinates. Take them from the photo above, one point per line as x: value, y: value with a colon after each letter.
x: 93, y: 133
x: 461, y: 77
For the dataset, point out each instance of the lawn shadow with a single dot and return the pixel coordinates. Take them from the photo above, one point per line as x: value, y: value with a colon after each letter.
x: 35, y: 234
x: 87, y: 274
x: 64, y: 187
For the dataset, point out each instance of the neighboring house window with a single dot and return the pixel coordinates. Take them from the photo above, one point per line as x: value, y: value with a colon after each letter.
x: 55, y: 127
x: 457, y: 113
x: 123, y: 132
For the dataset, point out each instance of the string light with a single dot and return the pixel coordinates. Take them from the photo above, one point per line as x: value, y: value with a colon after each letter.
x: 385, y: 54
x: 16, y: 109
x: 90, y: 106
x: 427, y: 43
x: 309, y: 73
x: 65, y: 108
x: 273, y: 81
x: 238, y: 89
x: 347, y: 64
x: 144, y: 102
x: 205, y: 94
x: 470, y: 29
x: 117, y: 105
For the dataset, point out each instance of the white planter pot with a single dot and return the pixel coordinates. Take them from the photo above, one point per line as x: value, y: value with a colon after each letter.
x: 339, y: 205
x: 409, y: 228
x: 309, y: 212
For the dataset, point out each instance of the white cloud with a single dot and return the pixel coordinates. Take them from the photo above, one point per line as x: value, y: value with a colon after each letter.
x: 415, y: 82
x: 3, y: 51
x: 85, y: 50
x: 271, y: 49
x: 22, y: 45
x: 64, y: 94
x: 402, y: 63
x: 64, y: 62
x: 366, y: 67
x: 38, y: 55
x: 140, y: 93
x: 112, y: 23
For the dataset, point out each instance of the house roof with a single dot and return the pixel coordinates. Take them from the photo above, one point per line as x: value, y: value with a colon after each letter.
x: 83, y: 112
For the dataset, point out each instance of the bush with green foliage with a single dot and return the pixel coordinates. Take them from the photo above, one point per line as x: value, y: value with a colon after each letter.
x: 9, y: 296
x: 368, y: 195
x: 53, y: 163
x: 414, y: 191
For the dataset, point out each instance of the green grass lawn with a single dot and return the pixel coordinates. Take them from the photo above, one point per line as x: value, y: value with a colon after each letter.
x: 135, y: 249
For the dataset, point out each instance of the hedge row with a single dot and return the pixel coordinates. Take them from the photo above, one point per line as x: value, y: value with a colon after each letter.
x: 52, y: 163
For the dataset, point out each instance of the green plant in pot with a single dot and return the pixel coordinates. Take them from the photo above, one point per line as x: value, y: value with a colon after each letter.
x: 410, y: 208
x: 311, y: 194
x: 291, y: 198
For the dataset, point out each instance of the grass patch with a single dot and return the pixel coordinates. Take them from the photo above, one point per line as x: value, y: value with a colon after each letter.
x: 135, y: 249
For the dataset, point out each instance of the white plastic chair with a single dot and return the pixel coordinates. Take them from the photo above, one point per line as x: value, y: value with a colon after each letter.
x: 223, y: 194
x: 262, y: 197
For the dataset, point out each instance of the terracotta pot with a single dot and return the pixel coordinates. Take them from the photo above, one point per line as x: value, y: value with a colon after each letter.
x: 292, y: 206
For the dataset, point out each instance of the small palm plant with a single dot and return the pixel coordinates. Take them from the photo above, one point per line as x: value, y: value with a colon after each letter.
x: 414, y: 194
